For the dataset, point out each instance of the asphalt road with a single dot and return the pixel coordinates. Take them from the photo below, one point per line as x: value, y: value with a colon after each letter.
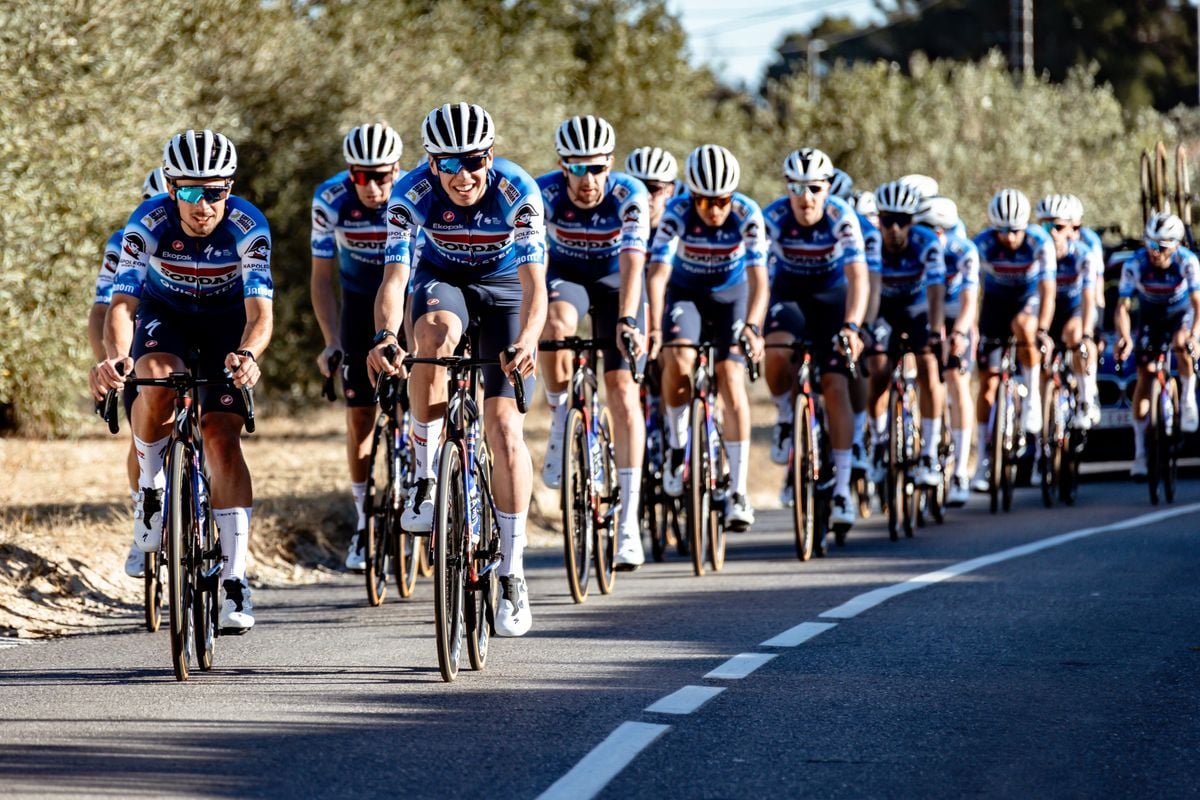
x: 1067, y: 669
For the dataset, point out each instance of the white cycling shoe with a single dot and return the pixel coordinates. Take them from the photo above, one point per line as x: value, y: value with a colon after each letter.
x: 959, y: 492
x: 237, y: 613
x: 135, y: 562
x: 515, y: 617
x: 148, y: 520
x: 1189, y: 417
x: 673, y: 473
x: 630, y: 554
x: 355, y: 559
x: 418, y: 512
x: 781, y: 442
x: 980, y: 482
x: 843, y: 511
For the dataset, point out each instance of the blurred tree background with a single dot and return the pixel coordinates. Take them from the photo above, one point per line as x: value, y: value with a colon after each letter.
x: 90, y: 90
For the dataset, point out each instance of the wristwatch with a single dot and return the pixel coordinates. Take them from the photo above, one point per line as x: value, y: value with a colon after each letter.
x: 630, y: 321
x: 247, y: 354
x: 851, y: 326
x: 382, y: 335
x: 750, y: 326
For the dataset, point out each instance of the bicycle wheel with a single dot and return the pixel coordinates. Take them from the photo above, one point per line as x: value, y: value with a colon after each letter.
x: 1068, y: 473
x: 1145, y: 179
x: 804, y: 479
x: 996, y: 450
x: 1183, y: 187
x: 206, y: 577
x: 404, y: 550
x: 653, y: 516
x: 721, y: 483
x: 379, y: 511
x: 424, y: 547
x: 482, y: 595
x: 678, y: 529
x: 1169, y: 425
x: 1051, y: 450
x: 1009, y: 454
x: 699, y: 487
x: 152, y: 595
x: 450, y: 522
x: 606, y: 505
x: 576, y: 503
x: 895, y: 468
x: 178, y: 535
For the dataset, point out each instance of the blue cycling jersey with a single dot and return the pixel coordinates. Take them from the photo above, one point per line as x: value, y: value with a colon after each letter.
x: 816, y: 255
x: 1092, y: 239
x: 108, y: 268
x: 504, y: 230
x: 585, y: 244
x: 1075, y: 271
x: 343, y: 227
x: 962, y: 264
x: 1032, y: 262
x: 214, y: 273
x: 707, y: 258
x: 921, y: 263
x: 1157, y: 289
x: 872, y: 242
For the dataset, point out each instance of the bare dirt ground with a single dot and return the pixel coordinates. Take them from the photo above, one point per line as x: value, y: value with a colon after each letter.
x: 65, y: 515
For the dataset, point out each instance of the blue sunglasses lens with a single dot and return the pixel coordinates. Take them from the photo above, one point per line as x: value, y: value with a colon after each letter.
x: 192, y: 194
x: 1153, y: 245
x: 579, y: 170
x: 453, y: 166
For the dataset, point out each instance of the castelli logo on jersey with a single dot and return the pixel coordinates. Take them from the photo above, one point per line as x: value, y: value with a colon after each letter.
x: 152, y: 343
x: 696, y: 230
x: 176, y: 245
x: 355, y: 214
x: 433, y: 301
x: 226, y: 399
x: 350, y: 394
x: 448, y: 216
x: 569, y: 215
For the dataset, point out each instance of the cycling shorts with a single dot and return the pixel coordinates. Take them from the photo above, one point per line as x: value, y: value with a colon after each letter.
x: 202, y: 339
x: 358, y: 335
x: 494, y: 303
x: 996, y: 314
x: 600, y: 298
x: 907, y: 317
x: 1063, y: 313
x: 1156, y: 325
x: 813, y: 317
x: 695, y: 314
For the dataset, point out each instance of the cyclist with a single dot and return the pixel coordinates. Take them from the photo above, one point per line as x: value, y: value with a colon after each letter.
x: 657, y: 170
x: 597, y: 224
x: 708, y: 269
x: 819, y: 289
x: 349, y: 230
x: 1164, y: 276
x: 135, y: 561
x: 1074, y: 306
x: 1092, y: 240
x: 907, y: 298
x: 1018, y: 267
x: 195, y: 275
x: 483, y: 259
x: 940, y: 214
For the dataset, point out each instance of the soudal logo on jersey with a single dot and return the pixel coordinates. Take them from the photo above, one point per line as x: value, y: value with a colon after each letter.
x: 586, y: 240
x: 400, y: 216
x: 133, y: 245
x: 221, y: 277
x: 711, y: 254
x: 259, y: 249
x: 808, y: 254
x: 366, y: 240
x: 469, y: 242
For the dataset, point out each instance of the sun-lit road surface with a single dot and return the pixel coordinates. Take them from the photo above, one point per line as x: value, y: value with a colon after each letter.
x: 1067, y: 671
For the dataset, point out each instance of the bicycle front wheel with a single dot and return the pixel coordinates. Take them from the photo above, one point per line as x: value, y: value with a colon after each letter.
x: 1169, y: 423
x: 379, y: 512
x: 607, y: 507
x: 483, y: 595
x: 152, y: 595
x: 178, y: 536
x: 996, y: 465
x: 896, y: 482
x: 804, y: 481
x: 576, y: 503
x: 722, y: 483
x: 699, y: 489
x: 450, y: 523
x: 1051, y: 446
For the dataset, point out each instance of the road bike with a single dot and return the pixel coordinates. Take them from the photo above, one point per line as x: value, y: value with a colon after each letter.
x: 661, y: 514
x: 1164, y: 436
x: 1007, y: 436
x: 1062, y: 440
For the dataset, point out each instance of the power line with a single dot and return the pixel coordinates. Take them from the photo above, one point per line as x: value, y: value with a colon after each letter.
x: 791, y: 10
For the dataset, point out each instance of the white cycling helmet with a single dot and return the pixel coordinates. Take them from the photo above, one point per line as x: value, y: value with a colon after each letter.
x: 652, y: 164
x: 807, y: 164
x: 712, y: 171
x: 372, y: 145
x: 1164, y: 227
x: 199, y: 154
x: 864, y: 203
x: 937, y: 212
x: 841, y: 185
x: 1009, y: 208
x: 1076, y: 209
x: 897, y: 197
x: 457, y: 128
x: 585, y: 136
x: 154, y: 184
x: 1055, y: 206
x: 925, y: 185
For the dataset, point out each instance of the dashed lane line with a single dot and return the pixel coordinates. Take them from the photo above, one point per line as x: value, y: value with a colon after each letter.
x: 799, y: 634
x: 605, y: 762
x: 685, y: 700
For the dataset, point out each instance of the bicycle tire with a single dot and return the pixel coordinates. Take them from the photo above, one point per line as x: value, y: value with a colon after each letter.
x: 1183, y: 188
x: 575, y: 503
x: 178, y: 527
x: 895, y: 469
x: 448, y: 534
x: 653, y: 516
x: 206, y: 572
x: 719, y: 463
x: 1145, y: 179
x: 379, y: 513
x: 1051, y: 450
x: 1161, y: 189
x: 404, y: 548
x: 1068, y: 476
x: 804, y: 481
x: 678, y: 530
x: 424, y: 548
x: 699, y: 486
x: 1171, y: 436
x: 152, y: 594
x: 482, y: 598
x: 1153, y: 444
x: 1008, y: 455
x: 606, y: 508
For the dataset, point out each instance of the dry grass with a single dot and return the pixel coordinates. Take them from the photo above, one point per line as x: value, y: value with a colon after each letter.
x: 65, y: 515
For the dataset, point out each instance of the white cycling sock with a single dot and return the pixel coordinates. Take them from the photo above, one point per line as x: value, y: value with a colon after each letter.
x: 880, y: 428
x: 1033, y: 378
x: 426, y: 437
x: 629, y: 481
x: 785, y: 409
x: 512, y: 542
x: 359, y: 491
x: 1140, y: 426
x: 860, y: 426
x: 739, y: 465
x: 678, y: 418
x: 931, y: 434
x: 1187, y: 387
x: 557, y: 403
x: 841, y: 463
x: 233, y: 528
x: 962, y: 451
x: 150, y: 457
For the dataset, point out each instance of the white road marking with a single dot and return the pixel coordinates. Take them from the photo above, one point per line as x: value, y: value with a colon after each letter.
x: 686, y: 700
x: 799, y: 634
x: 867, y: 600
x: 740, y: 666
x: 605, y: 762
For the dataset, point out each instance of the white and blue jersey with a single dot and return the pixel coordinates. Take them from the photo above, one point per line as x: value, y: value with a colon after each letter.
x: 961, y: 257
x: 709, y: 259
x: 905, y: 274
x: 218, y: 272
x: 1075, y: 272
x: 583, y: 245
x: 108, y: 269
x: 494, y: 237
x: 356, y: 235
x: 1161, y: 291
x: 872, y: 241
x: 1016, y: 272
x: 1092, y: 240
x: 814, y: 257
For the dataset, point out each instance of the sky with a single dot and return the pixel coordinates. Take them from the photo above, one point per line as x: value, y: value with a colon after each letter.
x: 739, y: 42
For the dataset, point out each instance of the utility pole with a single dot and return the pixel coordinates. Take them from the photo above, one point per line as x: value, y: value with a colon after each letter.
x: 814, y: 48
x: 1020, y: 38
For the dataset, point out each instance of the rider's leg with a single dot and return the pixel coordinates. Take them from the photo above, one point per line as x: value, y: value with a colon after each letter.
x: 1187, y: 380
x: 932, y: 403
x: 231, y: 488
x: 562, y: 320
x: 836, y: 391
x: 435, y: 335
x: 629, y: 433
x: 731, y: 381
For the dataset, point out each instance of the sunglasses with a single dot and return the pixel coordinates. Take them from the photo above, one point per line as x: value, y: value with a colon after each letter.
x: 656, y: 187
x: 193, y: 194
x: 456, y: 164
x: 895, y: 220
x: 1059, y: 227
x: 806, y: 188
x: 579, y: 170
x: 713, y: 202
x: 1010, y: 230
x: 1159, y: 246
x: 368, y: 176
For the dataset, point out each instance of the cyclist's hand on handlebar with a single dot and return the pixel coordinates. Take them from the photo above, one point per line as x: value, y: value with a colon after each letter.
x: 379, y: 360
x: 325, y: 359
x: 639, y: 343
x: 755, y: 343
x: 958, y: 343
x: 1123, y: 348
x: 105, y: 375
x: 854, y: 339
x: 524, y: 360
x: 242, y: 369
